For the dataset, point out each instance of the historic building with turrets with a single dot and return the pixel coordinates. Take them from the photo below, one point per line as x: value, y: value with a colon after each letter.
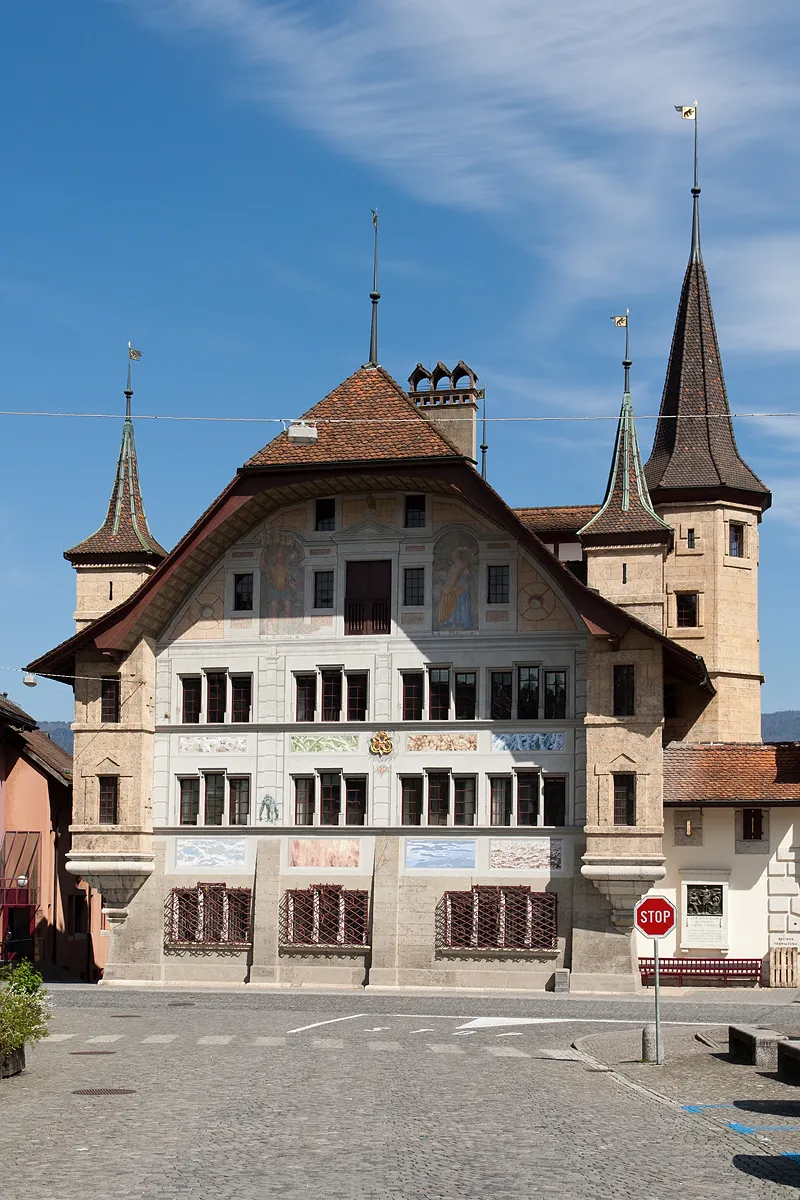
x: 367, y: 725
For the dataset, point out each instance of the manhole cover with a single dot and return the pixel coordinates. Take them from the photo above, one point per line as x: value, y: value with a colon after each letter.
x: 93, y: 1052
x: 104, y: 1092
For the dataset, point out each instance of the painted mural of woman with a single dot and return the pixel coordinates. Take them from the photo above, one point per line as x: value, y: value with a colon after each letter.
x: 454, y: 575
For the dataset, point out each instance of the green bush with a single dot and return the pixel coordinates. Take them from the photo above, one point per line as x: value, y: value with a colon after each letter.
x: 24, y: 1008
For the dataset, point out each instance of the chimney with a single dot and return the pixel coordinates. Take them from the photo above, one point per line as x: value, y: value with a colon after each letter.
x: 449, y: 400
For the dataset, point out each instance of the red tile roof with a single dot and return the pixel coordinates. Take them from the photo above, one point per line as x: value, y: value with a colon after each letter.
x: 744, y: 773
x: 12, y: 714
x: 564, y: 519
x: 51, y: 756
x: 366, y: 418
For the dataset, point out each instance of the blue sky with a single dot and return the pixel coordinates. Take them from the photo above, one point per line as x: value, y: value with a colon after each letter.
x: 196, y: 176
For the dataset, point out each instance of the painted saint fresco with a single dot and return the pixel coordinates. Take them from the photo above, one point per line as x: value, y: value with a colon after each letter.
x: 283, y: 582
x: 455, y: 581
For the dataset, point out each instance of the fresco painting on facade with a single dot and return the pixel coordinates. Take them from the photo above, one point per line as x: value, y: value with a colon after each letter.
x: 324, y: 853
x: 212, y: 745
x: 268, y: 811
x: 324, y: 743
x: 210, y: 854
x: 202, y: 618
x: 283, y: 577
x: 438, y: 854
x: 418, y: 742
x: 528, y: 742
x: 527, y: 854
x: 455, y: 580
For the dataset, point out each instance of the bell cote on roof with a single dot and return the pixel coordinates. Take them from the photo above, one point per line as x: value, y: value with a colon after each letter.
x: 449, y: 400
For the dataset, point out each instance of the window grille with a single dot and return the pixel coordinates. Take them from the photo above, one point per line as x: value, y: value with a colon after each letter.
x: 686, y: 609
x: 241, y: 697
x: 324, y: 915
x: 466, y: 695
x: 413, y: 587
x: 323, y: 589
x: 690, y: 539
x: 412, y: 696
x: 498, y: 585
x: 216, y: 688
x: 243, y: 593
x: 192, y: 692
x: 555, y: 695
x: 497, y: 918
x: 736, y: 540
x: 210, y: 914
x: 110, y: 700
x: 109, y: 800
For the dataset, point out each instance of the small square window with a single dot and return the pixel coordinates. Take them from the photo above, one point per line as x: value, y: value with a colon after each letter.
x: 109, y: 800
x: 690, y: 539
x: 323, y: 589
x: 624, y: 799
x: 498, y: 585
x: 414, y: 587
x: 736, y: 540
x: 415, y: 512
x: 752, y: 825
x: 325, y: 516
x: 686, y: 609
x: 243, y: 593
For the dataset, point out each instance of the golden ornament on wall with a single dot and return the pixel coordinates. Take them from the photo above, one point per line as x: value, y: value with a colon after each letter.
x: 381, y: 743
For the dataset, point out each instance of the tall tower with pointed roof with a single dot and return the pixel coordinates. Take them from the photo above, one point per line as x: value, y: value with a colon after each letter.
x: 702, y: 487
x: 113, y: 561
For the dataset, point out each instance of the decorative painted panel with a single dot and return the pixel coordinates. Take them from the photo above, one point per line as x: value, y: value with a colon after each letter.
x: 528, y: 854
x: 283, y: 582
x: 324, y: 743
x: 198, y: 744
x: 528, y: 742
x: 202, y: 618
x: 442, y: 741
x: 436, y: 854
x: 209, y: 854
x: 268, y: 810
x: 455, y: 581
x: 324, y: 853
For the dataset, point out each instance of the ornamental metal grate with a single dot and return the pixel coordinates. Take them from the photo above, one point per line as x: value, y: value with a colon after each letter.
x: 324, y: 915
x: 497, y: 918
x: 209, y: 915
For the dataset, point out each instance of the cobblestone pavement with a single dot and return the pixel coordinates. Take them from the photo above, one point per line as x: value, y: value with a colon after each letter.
x: 235, y: 1102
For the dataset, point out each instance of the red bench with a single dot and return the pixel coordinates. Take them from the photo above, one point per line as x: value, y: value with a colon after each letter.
x: 702, y: 968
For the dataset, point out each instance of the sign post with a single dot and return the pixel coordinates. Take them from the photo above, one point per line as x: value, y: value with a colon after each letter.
x: 655, y: 917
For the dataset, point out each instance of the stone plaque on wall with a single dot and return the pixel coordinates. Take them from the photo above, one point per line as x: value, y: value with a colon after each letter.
x: 212, y: 745
x: 705, y: 919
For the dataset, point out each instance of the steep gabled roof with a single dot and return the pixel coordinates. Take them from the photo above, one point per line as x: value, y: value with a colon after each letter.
x: 732, y: 774
x: 367, y: 418
x: 556, y: 524
x: 12, y: 714
x: 45, y: 753
x: 124, y: 536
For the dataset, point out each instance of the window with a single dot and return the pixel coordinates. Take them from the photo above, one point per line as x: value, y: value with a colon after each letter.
x: 368, y: 597
x: 413, y: 691
x: 624, y: 799
x: 624, y: 572
x: 438, y: 798
x: 497, y: 918
x: 243, y: 593
x: 502, y: 802
x: 325, y: 516
x: 331, y: 695
x: 752, y: 825
x: 357, y: 697
x: 325, y: 914
x: 192, y: 690
x: 210, y: 914
x: 413, y: 587
x: 241, y: 697
x: 465, y: 806
x: 438, y: 694
x: 624, y: 691
x: 323, y: 589
x: 411, y: 795
x: 555, y: 695
x: 190, y: 801
x: 736, y: 540
x: 304, y: 801
x: 497, y: 585
x: 500, y: 695
x: 355, y: 801
x: 527, y: 798
x: 415, y: 512
x: 466, y: 696
x: 330, y: 797
x: 691, y: 543
x: 306, y: 697
x: 527, y: 693
x: 555, y: 801
x: 686, y: 608
x: 109, y: 700
x: 216, y: 689
x: 77, y: 915
x: 215, y: 798
x: 109, y: 800
x: 239, y: 801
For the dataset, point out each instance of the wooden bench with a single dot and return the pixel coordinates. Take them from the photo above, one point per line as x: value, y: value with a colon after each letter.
x: 702, y: 968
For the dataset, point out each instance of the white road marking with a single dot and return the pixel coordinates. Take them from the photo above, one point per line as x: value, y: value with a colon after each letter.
x: 328, y: 1043
x: 505, y: 1052
x: 377, y: 1029
x: 494, y: 1022
x: 215, y: 1040
x: 463, y: 1032
x: 159, y: 1039
x: 105, y: 1037
x: 59, y: 1037
x: 270, y: 1041
x: 508, y: 1035
x: 423, y: 1031
x: 448, y: 1049
x: 333, y: 1021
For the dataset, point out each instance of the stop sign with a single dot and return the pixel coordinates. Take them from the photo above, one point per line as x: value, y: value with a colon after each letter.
x: 655, y: 916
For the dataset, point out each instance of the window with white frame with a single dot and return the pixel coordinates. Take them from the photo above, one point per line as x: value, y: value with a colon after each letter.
x: 330, y: 798
x: 214, y: 798
x: 526, y: 798
x: 216, y: 697
x: 331, y: 694
x: 439, y: 798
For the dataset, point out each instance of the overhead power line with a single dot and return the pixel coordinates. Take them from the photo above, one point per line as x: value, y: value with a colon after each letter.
x: 452, y: 415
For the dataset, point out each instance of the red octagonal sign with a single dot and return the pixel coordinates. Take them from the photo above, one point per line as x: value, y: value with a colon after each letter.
x: 655, y: 916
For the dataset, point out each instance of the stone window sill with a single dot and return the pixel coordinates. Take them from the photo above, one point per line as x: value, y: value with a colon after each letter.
x: 496, y: 952
x: 325, y: 951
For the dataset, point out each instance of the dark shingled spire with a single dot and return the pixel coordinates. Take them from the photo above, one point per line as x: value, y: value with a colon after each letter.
x: 694, y: 455
x: 124, y: 536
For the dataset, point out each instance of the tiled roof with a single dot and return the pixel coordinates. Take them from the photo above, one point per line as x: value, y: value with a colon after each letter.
x: 694, y: 445
x: 12, y: 714
x: 371, y: 418
x: 566, y: 519
x: 52, y: 756
x: 124, y: 535
x: 627, y: 508
x: 733, y: 773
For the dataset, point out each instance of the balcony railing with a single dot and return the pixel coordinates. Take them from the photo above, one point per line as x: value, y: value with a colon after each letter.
x: 12, y: 895
x: 367, y: 616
